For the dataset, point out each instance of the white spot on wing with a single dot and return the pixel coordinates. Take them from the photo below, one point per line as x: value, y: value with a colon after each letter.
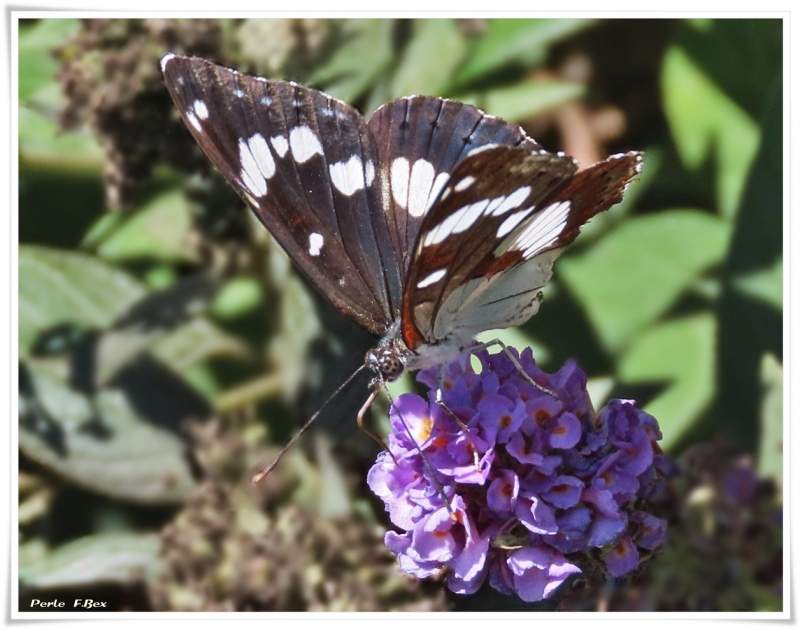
x: 251, y: 174
x: 200, y: 109
x: 419, y: 189
x: 512, y: 221
x: 260, y: 150
x: 193, y: 120
x: 238, y: 93
x: 266, y: 100
x: 304, y: 144
x: 438, y: 184
x: 280, y: 145
x: 432, y: 278
x: 481, y: 149
x: 166, y: 59
x: 369, y: 172
x: 399, y: 177
x: 543, y: 229
x: 513, y: 201
x: 465, y: 183
x: 348, y: 177
x: 315, y: 241
x: 459, y: 221
x: 494, y: 204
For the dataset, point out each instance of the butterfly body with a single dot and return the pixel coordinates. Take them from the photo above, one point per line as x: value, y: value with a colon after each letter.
x: 427, y: 224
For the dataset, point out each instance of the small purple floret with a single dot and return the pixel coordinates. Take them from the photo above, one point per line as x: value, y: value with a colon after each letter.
x: 555, y: 480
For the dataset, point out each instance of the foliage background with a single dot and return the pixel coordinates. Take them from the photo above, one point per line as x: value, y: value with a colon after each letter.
x: 166, y: 346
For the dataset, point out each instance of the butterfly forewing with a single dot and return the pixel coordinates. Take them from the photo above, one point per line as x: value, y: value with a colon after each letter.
x: 485, y: 251
x: 433, y: 214
x: 420, y: 141
x: 308, y: 167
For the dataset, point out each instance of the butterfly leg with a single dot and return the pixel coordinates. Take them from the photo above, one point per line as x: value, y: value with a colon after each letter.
x: 514, y: 360
x: 441, y: 404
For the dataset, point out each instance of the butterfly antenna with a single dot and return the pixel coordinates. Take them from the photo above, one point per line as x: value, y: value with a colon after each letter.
x: 431, y: 471
x: 258, y: 477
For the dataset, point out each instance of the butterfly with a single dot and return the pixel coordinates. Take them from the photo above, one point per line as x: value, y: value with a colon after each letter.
x: 427, y: 224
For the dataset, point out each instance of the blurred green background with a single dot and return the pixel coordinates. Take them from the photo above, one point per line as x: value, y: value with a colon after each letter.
x: 167, y: 347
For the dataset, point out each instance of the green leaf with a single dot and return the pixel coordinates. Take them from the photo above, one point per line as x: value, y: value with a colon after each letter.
x: 195, y: 343
x: 529, y: 98
x: 765, y: 285
x: 742, y: 57
x: 770, y: 450
x: 238, y: 296
x: 517, y: 40
x: 429, y: 60
x: 637, y: 271
x: 157, y: 315
x: 681, y: 354
x: 58, y: 287
x: 156, y: 232
x: 365, y: 53
x: 37, y: 67
x: 122, y: 558
x: 750, y: 328
x: 704, y: 120
x: 43, y: 145
x: 103, y: 444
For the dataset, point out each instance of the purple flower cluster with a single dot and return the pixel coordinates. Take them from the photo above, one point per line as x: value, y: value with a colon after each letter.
x: 533, y: 481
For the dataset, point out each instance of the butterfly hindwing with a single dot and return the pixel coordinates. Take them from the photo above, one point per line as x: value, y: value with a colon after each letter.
x: 479, y: 265
x: 421, y: 140
x: 307, y: 165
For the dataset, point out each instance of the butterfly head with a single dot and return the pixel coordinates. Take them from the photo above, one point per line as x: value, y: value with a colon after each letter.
x: 388, y: 360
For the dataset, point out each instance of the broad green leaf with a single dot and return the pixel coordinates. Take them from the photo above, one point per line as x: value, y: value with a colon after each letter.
x: 770, y: 450
x: 58, y: 287
x: 102, y: 228
x: 158, y: 314
x: 524, y: 41
x: 365, y: 53
x: 705, y: 122
x: 765, y: 285
x: 750, y: 324
x: 202, y: 380
x: 156, y: 232
x: 434, y: 52
x: 679, y: 354
x: 104, y: 445
x: 527, y: 99
x: 237, y: 297
x: 635, y: 273
x: 196, y: 342
x: 43, y: 145
x: 741, y: 57
x: 37, y: 67
x: 122, y: 558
